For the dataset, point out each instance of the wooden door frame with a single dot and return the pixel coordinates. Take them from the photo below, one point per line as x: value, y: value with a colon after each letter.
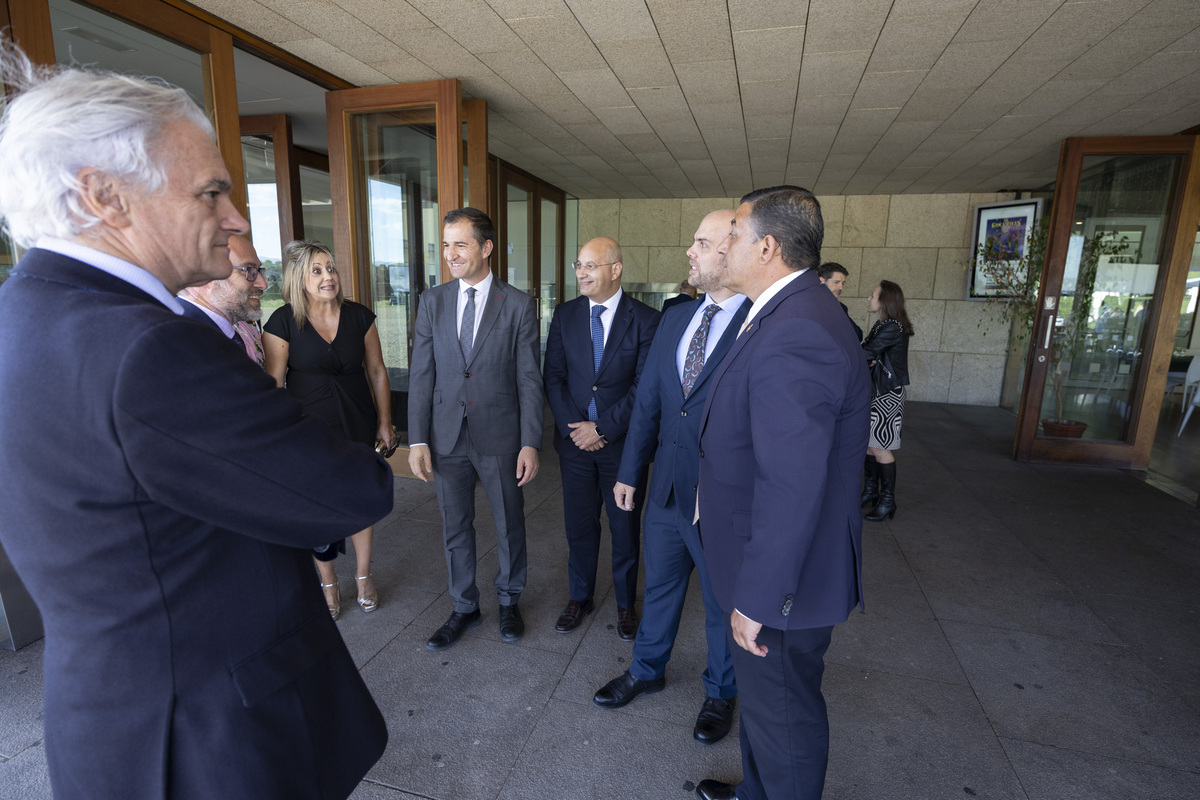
x: 1179, y: 237
x: 446, y: 98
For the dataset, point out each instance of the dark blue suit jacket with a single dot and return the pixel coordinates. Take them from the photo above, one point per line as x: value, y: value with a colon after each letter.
x: 570, y: 378
x: 159, y: 500
x: 663, y: 417
x: 782, y: 442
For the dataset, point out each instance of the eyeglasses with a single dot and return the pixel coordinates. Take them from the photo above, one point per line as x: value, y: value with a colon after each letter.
x: 579, y: 265
x: 251, y: 273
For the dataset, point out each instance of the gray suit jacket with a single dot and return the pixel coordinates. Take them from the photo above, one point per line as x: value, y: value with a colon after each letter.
x: 499, y: 392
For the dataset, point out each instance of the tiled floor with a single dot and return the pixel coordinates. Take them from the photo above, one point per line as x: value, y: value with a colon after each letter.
x: 1031, y: 632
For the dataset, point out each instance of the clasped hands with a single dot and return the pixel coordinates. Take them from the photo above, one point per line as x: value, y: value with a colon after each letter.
x: 583, y: 434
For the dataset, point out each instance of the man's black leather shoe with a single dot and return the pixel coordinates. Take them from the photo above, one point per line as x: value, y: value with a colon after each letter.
x: 627, y: 624
x: 620, y: 691
x: 715, y: 790
x: 573, y: 615
x: 449, y: 633
x: 512, y: 627
x: 714, y: 720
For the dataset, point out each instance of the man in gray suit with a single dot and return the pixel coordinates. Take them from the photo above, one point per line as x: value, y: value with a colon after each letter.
x: 475, y: 409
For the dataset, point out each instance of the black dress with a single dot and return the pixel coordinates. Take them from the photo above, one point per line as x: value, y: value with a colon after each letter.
x: 327, y: 378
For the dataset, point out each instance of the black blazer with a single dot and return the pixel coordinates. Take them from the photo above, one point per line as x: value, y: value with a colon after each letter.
x: 159, y: 499
x: 886, y: 347
x: 570, y: 378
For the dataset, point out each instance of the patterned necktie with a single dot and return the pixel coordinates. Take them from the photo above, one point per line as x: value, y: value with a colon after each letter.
x: 693, y: 363
x: 597, y: 353
x: 466, y: 334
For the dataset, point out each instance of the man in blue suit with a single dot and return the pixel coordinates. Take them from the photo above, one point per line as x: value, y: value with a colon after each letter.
x: 595, y: 352
x: 160, y: 495
x: 691, y: 341
x: 781, y: 444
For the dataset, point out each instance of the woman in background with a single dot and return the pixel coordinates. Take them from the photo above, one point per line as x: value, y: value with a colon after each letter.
x: 325, y: 350
x: 886, y: 347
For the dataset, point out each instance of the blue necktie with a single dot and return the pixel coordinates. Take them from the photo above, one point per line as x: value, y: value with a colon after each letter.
x: 597, y: 353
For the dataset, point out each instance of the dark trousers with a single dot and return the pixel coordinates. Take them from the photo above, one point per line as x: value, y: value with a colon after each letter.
x: 784, y: 726
x: 455, y: 486
x: 670, y: 549
x: 588, y: 480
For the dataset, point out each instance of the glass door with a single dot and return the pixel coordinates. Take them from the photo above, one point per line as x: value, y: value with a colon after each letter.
x: 531, y: 225
x: 395, y: 157
x: 1102, y: 345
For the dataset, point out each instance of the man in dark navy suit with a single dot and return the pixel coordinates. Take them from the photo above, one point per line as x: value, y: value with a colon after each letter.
x: 781, y: 444
x: 691, y: 341
x: 597, y: 346
x: 160, y: 495
x: 233, y: 304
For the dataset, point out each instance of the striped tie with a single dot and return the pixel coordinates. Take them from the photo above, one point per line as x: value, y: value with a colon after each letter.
x: 466, y: 334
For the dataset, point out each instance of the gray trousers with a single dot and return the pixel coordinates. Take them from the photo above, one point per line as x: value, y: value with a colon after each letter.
x: 454, y: 481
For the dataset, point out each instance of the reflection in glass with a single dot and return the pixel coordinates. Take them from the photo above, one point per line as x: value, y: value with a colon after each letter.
x: 549, y: 266
x: 395, y: 169
x: 1113, y: 258
x: 317, y: 204
x: 518, y: 233
x: 570, y: 287
x: 85, y: 36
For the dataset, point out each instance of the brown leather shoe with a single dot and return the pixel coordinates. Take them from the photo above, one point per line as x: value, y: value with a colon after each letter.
x: 573, y: 615
x: 627, y: 624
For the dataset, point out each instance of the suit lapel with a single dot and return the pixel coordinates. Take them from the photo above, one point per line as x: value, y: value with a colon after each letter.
x: 448, y: 312
x: 620, y: 324
x: 491, y: 312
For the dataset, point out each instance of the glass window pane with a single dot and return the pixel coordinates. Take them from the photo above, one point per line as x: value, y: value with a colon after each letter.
x: 1113, y: 259
x: 85, y: 36
x: 549, y: 265
x: 395, y: 165
x: 519, y: 225
x: 317, y: 198
x: 570, y: 287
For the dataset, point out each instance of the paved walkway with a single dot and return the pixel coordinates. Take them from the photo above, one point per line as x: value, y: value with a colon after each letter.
x: 1031, y: 632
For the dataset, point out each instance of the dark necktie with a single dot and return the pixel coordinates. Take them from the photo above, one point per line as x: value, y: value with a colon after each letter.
x: 238, y: 340
x: 597, y: 353
x: 466, y: 334
x: 693, y: 362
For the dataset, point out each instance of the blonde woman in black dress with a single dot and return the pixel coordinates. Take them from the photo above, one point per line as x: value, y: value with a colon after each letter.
x: 886, y: 347
x: 326, y: 351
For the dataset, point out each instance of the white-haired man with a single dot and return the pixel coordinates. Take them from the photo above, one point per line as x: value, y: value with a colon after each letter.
x: 159, y: 494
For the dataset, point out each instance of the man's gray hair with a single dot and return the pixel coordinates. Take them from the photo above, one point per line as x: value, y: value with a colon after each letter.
x: 63, y: 119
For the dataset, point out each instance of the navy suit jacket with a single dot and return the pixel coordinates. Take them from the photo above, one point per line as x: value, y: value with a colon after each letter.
x: 782, y: 441
x: 663, y: 417
x: 159, y: 500
x: 572, y: 381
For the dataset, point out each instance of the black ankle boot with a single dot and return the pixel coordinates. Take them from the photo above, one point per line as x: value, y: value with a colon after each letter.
x: 887, y: 494
x: 870, y: 493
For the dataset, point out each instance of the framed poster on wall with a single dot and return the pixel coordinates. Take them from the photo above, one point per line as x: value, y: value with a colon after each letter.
x: 1001, y: 237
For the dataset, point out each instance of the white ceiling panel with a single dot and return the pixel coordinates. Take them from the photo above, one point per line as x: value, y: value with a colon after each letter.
x: 637, y: 98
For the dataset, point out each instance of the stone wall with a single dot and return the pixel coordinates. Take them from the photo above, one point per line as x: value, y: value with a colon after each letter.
x: 921, y: 242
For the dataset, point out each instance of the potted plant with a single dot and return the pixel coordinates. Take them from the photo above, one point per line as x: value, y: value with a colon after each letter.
x: 1018, y: 283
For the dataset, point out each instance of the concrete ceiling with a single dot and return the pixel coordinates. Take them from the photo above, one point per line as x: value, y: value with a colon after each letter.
x: 708, y: 98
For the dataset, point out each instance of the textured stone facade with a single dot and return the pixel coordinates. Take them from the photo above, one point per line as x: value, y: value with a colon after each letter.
x: 921, y: 242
